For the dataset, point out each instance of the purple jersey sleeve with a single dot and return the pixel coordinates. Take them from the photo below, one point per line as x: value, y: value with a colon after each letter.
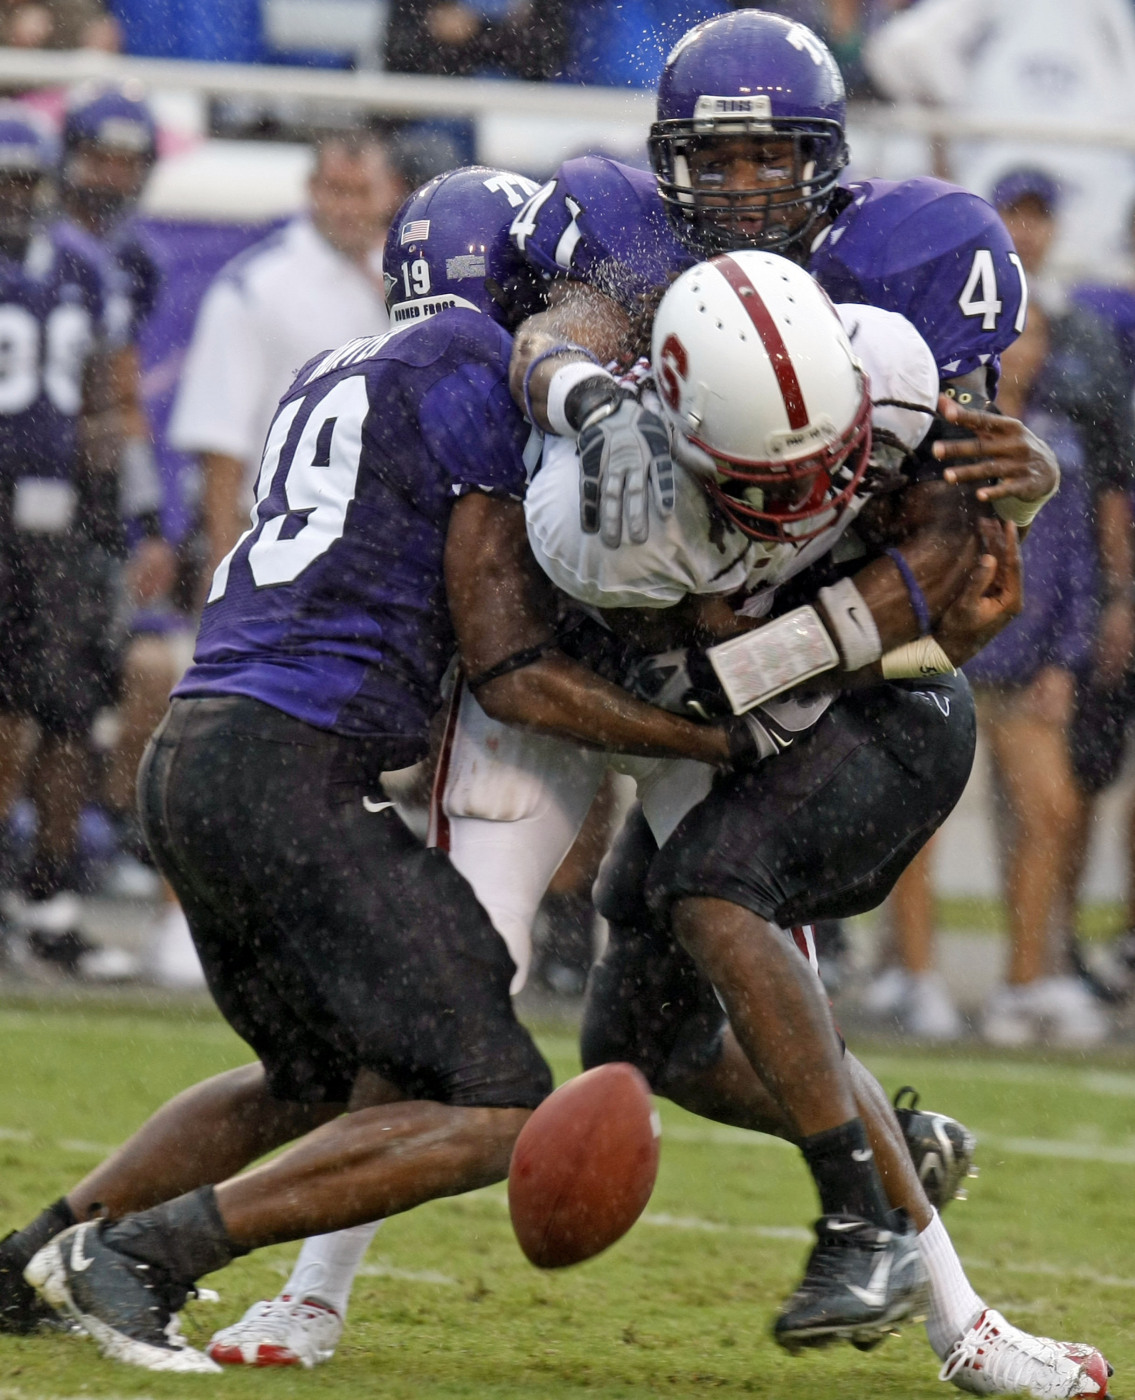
x: 332, y: 607
x: 936, y: 254
x: 602, y: 223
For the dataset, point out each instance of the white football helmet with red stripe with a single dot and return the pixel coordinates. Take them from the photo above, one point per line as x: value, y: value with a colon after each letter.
x: 757, y: 376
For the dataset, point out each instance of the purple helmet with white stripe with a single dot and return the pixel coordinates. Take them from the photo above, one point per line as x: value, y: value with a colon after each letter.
x: 448, y: 246
x: 757, y: 78
x: 112, y: 120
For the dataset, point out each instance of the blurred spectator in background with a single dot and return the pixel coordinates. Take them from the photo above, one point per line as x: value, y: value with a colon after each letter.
x: 505, y: 38
x: 1065, y: 377
x: 313, y: 285
x: 60, y: 434
x: 58, y: 24
x: 1047, y: 60
x: 1080, y: 617
x: 109, y: 149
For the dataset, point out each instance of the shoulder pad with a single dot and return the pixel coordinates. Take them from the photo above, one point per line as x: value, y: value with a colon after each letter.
x: 936, y: 254
x: 600, y: 222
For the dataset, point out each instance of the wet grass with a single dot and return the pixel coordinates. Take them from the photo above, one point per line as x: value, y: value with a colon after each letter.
x: 448, y: 1307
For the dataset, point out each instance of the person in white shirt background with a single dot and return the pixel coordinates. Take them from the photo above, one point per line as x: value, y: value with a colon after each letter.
x: 315, y: 283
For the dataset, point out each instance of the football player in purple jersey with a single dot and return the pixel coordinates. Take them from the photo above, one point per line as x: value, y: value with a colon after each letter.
x: 747, y: 151
x: 388, y: 533
x: 109, y: 145
x: 61, y: 323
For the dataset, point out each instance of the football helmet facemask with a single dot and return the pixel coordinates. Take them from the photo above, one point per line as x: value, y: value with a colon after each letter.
x: 448, y: 246
x: 110, y: 144
x: 766, y: 400
x: 753, y: 84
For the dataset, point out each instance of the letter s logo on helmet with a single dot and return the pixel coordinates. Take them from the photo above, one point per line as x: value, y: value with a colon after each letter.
x: 673, y: 363
x: 770, y: 389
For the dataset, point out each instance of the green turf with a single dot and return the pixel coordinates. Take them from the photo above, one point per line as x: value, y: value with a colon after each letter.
x: 449, y: 1308
x: 981, y: 914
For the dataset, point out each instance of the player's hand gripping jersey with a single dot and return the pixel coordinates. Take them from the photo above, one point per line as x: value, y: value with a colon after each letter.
x: 695, y: 549
x: 331, y: 606
x: 934, y: 253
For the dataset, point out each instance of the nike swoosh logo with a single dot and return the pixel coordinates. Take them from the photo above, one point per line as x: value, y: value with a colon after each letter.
x: 843, y: 1225
x: 370, y: 805
x: 79, y: 1261
x: 861, y: 1154
x: 875, y: 1294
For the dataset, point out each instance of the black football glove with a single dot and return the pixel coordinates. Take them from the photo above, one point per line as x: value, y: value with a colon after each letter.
x: 769, y: 729
x: 682, y: 681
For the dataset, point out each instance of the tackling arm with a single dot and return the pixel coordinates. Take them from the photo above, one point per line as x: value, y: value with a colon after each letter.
x: 501, y: 607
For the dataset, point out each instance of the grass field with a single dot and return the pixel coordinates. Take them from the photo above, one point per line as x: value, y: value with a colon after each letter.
x: 447, y: 1306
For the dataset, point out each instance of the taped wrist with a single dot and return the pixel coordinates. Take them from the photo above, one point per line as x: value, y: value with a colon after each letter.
x: 1022, y: 513
x: 759, y: 664
x: 851, y: 624
x: 184, y: 1238
x: 553, y: 352
x: 588, y: 399
x: 924, y: 657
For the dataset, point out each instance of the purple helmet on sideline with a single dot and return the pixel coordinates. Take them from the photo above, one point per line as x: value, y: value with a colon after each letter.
x: 448, y: 246
x: 749, y: 74
x: 27, y: 144
x: 114, y: 121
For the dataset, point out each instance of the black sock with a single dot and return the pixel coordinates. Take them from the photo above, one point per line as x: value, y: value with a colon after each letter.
x: 843, y: 1165
x: 50, y: 1222
x: 184, y: 1238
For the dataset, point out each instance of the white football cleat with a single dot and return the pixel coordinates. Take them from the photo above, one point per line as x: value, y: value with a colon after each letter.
x: 1050, y: 1011
x: 996, y: 1358
x: 283, y: 1331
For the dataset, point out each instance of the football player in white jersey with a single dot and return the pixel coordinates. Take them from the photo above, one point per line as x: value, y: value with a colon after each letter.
x: 529, y: 798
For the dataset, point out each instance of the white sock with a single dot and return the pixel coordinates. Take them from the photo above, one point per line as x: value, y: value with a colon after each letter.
x: 954, y: 1306
x: 327, y: 1265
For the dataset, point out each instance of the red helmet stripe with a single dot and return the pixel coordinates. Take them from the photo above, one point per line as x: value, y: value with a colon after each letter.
x: 766, y: 328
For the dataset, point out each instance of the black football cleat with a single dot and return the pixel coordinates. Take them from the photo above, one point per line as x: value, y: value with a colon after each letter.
x: 21, y: 1308
x: 940, y: 1147
x: 860, y: 1283
x: 128, y: 1307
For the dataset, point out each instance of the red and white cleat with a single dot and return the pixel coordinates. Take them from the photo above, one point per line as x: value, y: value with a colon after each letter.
x: 283, y: 1331
x: 996, y: 1358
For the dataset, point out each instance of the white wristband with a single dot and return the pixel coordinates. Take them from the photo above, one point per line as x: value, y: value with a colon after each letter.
x: 1022, y: 513
x: 759, y: 664
x: 922, y: 657
x: 851, y: 623
x: 562, y: 382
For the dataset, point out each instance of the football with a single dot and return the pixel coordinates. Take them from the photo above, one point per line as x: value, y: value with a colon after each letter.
x: 584, y: 1166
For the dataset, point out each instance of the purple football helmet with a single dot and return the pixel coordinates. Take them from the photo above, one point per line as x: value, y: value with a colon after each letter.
x: 752, y: 75
x: 114, y: 121
x: 448, y: 246
x: 28, y: 154
x: 27, y: 145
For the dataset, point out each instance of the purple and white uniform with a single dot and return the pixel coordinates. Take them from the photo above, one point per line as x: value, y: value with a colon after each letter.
x: 55, y: 307
x: 331, y: 607
x: 932, y: 252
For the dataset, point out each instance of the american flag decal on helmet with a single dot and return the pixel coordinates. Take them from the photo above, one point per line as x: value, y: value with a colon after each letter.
x: 417, y: 230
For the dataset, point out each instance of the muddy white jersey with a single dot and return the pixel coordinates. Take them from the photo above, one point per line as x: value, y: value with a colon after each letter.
x: 694, y: 549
